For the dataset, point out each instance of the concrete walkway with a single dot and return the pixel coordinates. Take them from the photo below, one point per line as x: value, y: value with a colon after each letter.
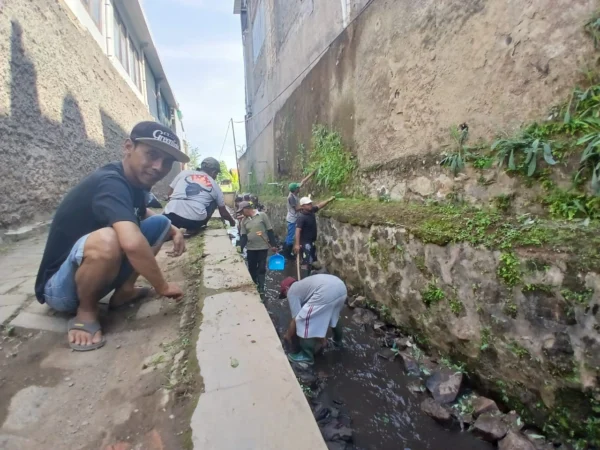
x: 18, y: 268
x: 130, y: 395
x: 251, y: 397
x: 115, y: 398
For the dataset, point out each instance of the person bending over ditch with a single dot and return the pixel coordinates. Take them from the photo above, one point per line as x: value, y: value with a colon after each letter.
x: 293, y: 208
x: 306, y: 231
x: 103, y: 237
x: 254, y: 231
x: 315, y: 304
x: 193, y: 197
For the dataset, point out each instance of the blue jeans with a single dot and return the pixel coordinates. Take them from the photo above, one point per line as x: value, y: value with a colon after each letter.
x: 291, y: 233
x: 60, y: 292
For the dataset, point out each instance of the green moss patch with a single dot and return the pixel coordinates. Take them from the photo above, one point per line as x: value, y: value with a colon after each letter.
x: 447, y: 224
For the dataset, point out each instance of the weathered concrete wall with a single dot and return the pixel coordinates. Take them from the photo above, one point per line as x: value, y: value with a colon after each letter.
x: 64, y: 110
x: 296, y: 33
x: 405, y: 72
x: 543, y: 348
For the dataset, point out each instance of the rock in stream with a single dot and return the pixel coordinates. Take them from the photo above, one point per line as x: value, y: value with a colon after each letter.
x: 444, y: 385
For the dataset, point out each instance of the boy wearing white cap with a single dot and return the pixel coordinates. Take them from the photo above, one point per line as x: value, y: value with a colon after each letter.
x: 306, y: 230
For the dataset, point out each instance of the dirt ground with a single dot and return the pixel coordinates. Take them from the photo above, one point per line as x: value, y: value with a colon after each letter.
x: 137, y: 392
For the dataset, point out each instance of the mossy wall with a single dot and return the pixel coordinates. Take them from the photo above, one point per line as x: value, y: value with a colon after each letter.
x: 524, y: 318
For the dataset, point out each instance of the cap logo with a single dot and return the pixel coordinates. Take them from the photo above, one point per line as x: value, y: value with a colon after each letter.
x: 167, y: 138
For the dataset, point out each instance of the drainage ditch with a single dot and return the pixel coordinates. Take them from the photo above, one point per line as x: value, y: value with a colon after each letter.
x: 374, y: 392
x: 361, y: 399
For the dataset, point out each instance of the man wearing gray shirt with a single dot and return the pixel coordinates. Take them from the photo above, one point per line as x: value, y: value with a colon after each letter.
x: 315, y: 304
x: 193, y: 197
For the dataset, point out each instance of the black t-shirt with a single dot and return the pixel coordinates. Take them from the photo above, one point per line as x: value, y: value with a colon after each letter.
x: 98, y: 201
x: 307, y: 222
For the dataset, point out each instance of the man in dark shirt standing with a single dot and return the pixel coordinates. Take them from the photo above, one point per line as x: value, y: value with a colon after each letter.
x: 103, y: 237
x: 306, y: 231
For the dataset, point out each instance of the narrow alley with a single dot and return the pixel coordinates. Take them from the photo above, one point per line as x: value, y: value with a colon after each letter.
x: 299, y: 224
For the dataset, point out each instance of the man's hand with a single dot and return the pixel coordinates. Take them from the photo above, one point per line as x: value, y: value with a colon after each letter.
x: 274, y: 249
x: 178, y: 242
x: 297, y: 249
x: 231, y: 222
x: 171, y: 290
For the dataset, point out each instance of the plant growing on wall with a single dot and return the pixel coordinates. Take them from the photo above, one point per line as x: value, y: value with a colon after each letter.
x: 456, y: 158
x: 334, y: 165
x: 523, y: 152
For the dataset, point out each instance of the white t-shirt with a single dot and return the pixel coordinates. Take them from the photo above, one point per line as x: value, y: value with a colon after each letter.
x: 193, y: 192
x: 316, y: 290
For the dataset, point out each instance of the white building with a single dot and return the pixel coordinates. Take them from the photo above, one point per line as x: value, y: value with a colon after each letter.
x: 121, y: 30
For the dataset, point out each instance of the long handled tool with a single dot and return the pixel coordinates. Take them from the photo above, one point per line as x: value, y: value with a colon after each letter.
x: 298, y: 266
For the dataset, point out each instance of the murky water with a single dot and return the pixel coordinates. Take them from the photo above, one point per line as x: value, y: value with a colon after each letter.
x: 371, y: 391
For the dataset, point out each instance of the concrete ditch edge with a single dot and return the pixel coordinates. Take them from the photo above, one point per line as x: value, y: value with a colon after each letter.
x: 251, y: 397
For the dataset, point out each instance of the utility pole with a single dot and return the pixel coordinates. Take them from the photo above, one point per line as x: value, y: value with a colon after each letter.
x: 236, y: 156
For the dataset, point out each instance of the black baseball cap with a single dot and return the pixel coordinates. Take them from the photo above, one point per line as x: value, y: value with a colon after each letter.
x: 161, y: 137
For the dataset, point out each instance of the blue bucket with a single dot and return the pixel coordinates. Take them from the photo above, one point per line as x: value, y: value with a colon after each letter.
x: 276, y: 262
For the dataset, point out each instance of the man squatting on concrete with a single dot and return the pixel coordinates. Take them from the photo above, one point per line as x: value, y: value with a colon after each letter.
x: 103, y: 236
x: 315, y: 304
x: 293, y: 207
x: 193, y: 197
x: 256, y: 234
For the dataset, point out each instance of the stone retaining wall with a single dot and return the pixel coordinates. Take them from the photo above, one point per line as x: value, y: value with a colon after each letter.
x: 531, y: 342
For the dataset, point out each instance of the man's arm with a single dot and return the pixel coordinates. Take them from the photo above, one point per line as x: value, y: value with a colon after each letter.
x: 243, y: 236
x: 220, y: 199
x: 291, y: 331
x: 226, y: 215
x: 297, y: 240
x: 269, y: 228
x: 325, y: 203
x: 140, y: 255
x: 272, y: 239
x: 113, y: 206
x: 243, y: 241
x: 174, y: 183
x: 293, y: 202
x: 308, y: 177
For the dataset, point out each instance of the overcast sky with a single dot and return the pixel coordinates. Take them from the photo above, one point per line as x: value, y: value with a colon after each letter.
x: 200, y: 46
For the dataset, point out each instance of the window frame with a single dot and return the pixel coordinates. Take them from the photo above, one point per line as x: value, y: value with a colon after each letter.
x: 126, y: 52
x: 135, y: 72
x: 89, y: 6
x: 121, y: 41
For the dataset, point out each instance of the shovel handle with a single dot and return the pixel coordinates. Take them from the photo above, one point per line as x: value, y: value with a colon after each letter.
x: 298, y: 265
x: 263, y: 237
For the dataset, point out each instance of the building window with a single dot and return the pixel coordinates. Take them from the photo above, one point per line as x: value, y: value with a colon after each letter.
x: 126, y: 53
x: 258, y: 30
x: 94, y: 8
x: 134, y: 65
x: 164, y: 113
x: 121, y: 42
